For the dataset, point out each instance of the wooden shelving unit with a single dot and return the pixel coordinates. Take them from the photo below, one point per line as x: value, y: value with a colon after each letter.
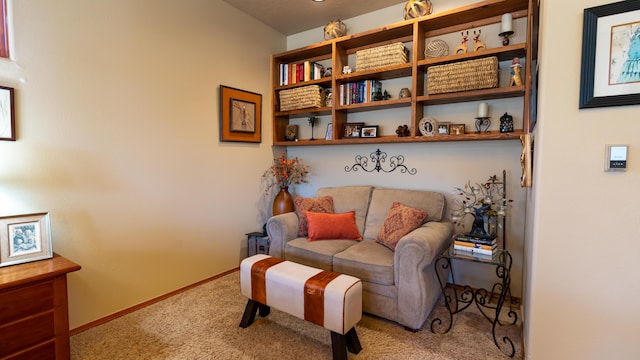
x: 415, y: 31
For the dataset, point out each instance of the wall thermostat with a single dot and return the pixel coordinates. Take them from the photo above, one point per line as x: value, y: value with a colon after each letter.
x: 615, y: 158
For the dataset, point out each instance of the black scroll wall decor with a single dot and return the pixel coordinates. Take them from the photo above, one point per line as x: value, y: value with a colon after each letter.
x: 378, y: 159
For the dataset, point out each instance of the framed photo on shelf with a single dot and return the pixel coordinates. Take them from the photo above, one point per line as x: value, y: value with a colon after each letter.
x: 24, y: 238
x: 7, y: 114
x: 456, y: 129
x: 329, y: 134
x: 369, y: 131
x: 610, y: 52
x: 240, y: 115
x: 351, y: 130
x: 443, y: 128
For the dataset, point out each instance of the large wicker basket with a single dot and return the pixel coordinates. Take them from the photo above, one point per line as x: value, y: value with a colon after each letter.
x: 302, y: 98
x: 381, y: 56
x: 463, y: 76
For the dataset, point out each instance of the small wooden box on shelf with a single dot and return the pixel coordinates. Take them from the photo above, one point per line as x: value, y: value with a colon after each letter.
x: 414, y: 32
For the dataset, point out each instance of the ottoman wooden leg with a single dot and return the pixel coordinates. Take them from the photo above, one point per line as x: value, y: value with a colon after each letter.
x: 353, y: 343
x: 249, y: 313
x: 340, y: 343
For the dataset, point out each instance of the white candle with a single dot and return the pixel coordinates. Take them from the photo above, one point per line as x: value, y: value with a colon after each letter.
x: 483, y: 110
x: 507, y: 23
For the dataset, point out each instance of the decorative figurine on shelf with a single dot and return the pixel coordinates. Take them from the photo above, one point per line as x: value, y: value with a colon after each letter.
x: 334, y: 29
x: 506, y: 28
x: 404, y: 93
x: 417, y: 8
x: 403, y: 130
x: 462, y: 49
x: 346, y: 69
x: 478, y: 45
x: 328, y: 72
x: 312, y: 122
x: 515, y: 72
x: 506, y: 123
x: 328, y: 98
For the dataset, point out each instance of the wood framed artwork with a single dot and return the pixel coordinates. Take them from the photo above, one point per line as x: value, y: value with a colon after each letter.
x: 351, y: 130
x: 443, y: 128
x: 7, y: 114
x: 456, y: 129
x: 240, y: 115
x: 24, y: 238
x: 369, y: 131
x: 610, y: 53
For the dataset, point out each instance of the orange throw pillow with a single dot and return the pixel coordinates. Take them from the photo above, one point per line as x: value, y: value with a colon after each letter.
x: 400, y: 221
x: 332, y: 226
x: 322, y: 204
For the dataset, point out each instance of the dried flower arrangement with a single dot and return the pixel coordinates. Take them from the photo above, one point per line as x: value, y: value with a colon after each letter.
x: 285, y: 172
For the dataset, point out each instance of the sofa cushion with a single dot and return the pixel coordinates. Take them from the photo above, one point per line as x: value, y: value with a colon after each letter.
x: 332, y: 226
x: 366, y: 260
x: 318, y: 254
x: 400, y: 221
x: 323, y: 204
x: 382, y: 199
x: 348, y: 198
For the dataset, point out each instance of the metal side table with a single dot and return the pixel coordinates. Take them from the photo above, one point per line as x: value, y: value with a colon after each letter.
x: 456, y: 300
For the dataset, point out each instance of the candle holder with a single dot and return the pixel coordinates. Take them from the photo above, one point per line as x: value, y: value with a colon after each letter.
x: 505, y: 37
x: 482, y: 124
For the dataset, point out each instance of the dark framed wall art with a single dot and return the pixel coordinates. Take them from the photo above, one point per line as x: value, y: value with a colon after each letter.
x: 7, y: 114
x: 610, y: 73
x: 240, y: 115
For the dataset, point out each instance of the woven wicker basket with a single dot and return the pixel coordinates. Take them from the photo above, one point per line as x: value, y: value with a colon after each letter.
x: 302, y: 98
x: 463, y: 76
x: 373, y: 58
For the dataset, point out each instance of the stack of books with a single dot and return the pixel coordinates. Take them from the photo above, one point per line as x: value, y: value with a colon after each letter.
x: 476, y: 246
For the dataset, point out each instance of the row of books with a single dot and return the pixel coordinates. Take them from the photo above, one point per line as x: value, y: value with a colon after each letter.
x: 294, y: 73
x: 475, y: 245
x: 359, y: 92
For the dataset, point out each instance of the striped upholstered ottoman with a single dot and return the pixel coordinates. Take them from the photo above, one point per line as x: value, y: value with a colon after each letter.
x: 328, y: 299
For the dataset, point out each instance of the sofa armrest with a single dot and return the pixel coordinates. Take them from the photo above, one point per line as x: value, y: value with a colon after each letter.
x: 414, y: 272
x: 281, y: 229
x: 425, y: 242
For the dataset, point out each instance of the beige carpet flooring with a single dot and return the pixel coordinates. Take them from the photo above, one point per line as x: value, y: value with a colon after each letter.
x: 203, y: 323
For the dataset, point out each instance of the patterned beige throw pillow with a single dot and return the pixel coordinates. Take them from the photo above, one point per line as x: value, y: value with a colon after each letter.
x: 400, y: 221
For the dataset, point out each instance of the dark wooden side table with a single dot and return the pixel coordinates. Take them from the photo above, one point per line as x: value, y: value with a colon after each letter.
x: 34, y: 316
x: 456, y: 300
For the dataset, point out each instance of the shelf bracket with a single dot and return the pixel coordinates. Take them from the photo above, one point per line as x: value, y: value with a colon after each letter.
x: 377, y: 159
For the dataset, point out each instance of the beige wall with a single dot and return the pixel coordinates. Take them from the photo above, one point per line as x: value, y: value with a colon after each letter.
x: 118, y: 139
x: 582, y: 264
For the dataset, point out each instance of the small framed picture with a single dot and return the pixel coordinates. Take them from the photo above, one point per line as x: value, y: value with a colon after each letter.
x: 369, y: 131
x: 7, y: 116
x: 240, y: 115
x: 456, y: 129
x: 329, y: 134
x: 443, y: 128
x: 351, y: 130
x: 24, y: 238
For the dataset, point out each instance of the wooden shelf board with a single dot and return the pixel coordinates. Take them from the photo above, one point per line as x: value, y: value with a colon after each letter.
x: 384, y: 73
x: 491, y: 135
x: 305, y: 112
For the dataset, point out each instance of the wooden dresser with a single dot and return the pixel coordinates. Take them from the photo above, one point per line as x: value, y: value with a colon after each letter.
x: 34, y: 317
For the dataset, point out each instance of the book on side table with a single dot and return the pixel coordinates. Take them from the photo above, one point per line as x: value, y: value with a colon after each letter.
x: 474, y: 245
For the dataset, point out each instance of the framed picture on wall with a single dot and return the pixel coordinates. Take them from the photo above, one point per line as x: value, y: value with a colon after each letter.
x: 240, y: 115
x: 443, y: 128
x: 7, y: 115
x: 610, y: 54
x: 24, y: 238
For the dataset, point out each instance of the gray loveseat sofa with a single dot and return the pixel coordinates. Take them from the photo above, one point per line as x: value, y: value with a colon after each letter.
x: 398, y: 285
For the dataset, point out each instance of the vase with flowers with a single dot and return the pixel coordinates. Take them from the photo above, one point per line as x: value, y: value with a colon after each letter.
x: 283, y: 173
x: 485, y: 203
